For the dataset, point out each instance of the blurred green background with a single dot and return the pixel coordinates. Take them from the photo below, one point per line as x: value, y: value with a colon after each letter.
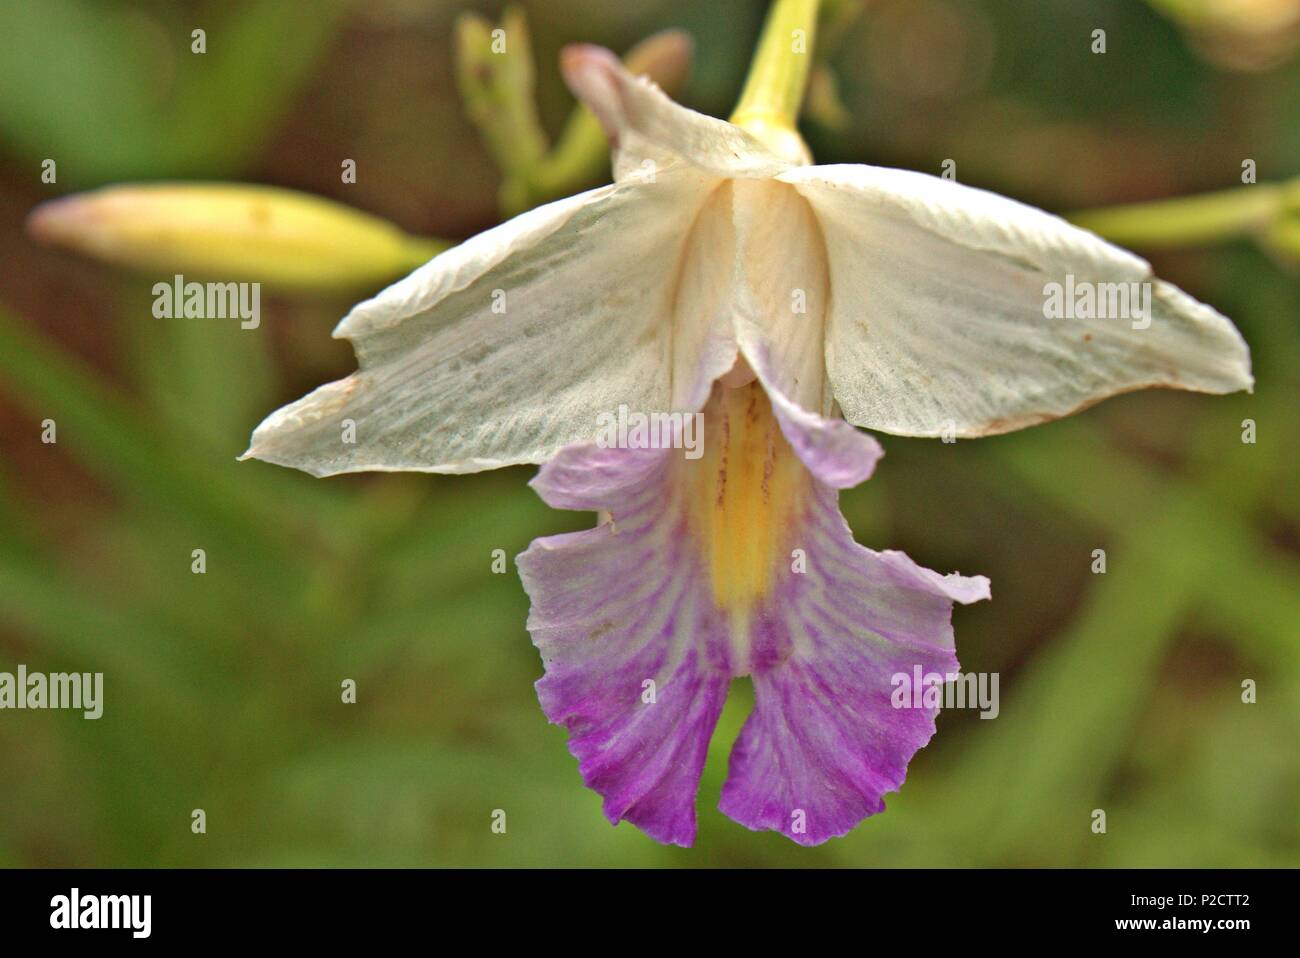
x: 222, y: 691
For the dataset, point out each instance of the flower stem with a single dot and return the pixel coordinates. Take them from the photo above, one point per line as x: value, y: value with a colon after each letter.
x: 1188, y: 221
x: 495, y: 74
x: 581, y: 155
x: 774, y: 90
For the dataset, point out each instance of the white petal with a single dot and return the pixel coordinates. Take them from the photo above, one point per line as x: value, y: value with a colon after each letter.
x: 703, y: 337
x: 649, y: 132
x: 937, y: 318
x: 782, y: 290
x: 584, y: 290
x: 778, y: 299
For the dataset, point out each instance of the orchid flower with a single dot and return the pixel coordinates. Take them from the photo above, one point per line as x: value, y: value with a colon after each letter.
x: 722, y: 274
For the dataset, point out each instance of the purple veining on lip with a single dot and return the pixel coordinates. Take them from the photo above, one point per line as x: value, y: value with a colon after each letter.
x: 630, y: 601
x: 836, y: 453
x: 614, y: 607
x: 824, y: 743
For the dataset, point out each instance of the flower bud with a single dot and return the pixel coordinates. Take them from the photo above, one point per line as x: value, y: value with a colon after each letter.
x: 232, y: 231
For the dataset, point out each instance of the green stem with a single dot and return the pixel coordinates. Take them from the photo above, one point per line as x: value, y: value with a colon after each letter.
x: 581, y: 155
x: 495, y: 74
x: 778, y: 75
x: 1189, y: 221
